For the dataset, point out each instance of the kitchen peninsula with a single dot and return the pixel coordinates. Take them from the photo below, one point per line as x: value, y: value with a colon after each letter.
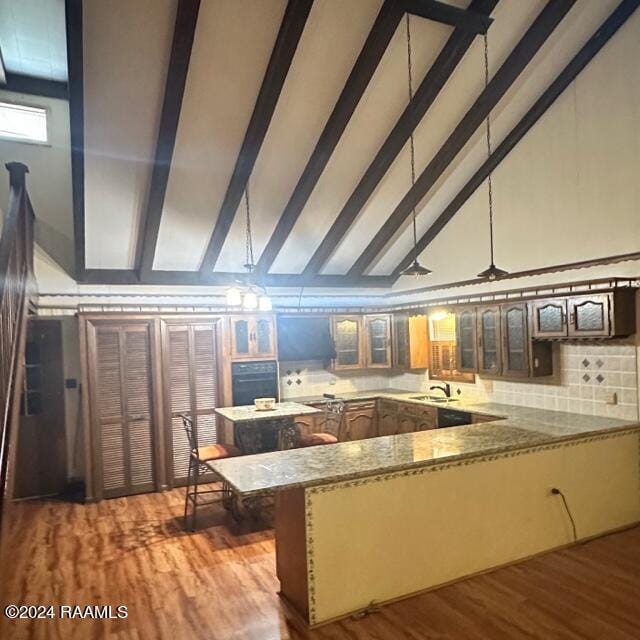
x: 395, y: 497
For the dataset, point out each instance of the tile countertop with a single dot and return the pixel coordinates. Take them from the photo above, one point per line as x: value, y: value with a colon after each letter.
x: 248, y: 413
x: 517, y: 428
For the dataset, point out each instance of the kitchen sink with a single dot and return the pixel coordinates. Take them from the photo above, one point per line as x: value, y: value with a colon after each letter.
x: 437, y: 399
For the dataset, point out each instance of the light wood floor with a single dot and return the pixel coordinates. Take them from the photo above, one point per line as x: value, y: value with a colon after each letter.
x: 219, y: 585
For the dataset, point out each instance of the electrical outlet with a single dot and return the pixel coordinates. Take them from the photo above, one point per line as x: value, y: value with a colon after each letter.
x: 611, y: 398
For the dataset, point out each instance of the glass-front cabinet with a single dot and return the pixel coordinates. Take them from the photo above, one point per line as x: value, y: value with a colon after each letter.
x: 252, y: 337
x: 589, y: 316
x: 549, y: 318
x: 347, y: 335
x: 466, y: 340
x: 378, y: 341
x: 489, y: 340
x: 515, y: 341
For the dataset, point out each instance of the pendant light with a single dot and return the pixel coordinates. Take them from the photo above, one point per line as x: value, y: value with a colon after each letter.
x: 252, y: 297
x: 415, y: 268
x: 492, y: 272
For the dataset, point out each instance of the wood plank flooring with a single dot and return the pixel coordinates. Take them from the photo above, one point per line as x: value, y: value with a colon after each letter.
x: 220, y: 584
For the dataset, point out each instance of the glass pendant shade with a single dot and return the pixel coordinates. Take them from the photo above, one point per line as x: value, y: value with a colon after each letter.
x: 250, y: 300
x: 493, y: 273
x: 415, y: 269
x: 264, y: 303
x: 234, y: 299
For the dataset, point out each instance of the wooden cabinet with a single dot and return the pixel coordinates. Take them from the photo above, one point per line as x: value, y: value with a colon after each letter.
x: 387, y: 417
x: 377, y: 341
x: 466, y: 340
x: 252, y: 337
x: 410, y: 341
x: 598, y: 315
x: 413, y: 417
x: 515, y: 341
x: 360, y: 420
x: 347, y: 335
x: 489, y: 340
x: 306, y: 424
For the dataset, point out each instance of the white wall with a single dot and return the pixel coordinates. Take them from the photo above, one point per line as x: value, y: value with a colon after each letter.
x: 49, y: 178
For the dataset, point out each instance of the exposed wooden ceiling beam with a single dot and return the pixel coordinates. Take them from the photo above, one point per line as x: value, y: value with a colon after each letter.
x: 181, y: 278
x: 542, y: 27
x: 467, y: 19
x: 3, y: 73
x: 32, y: 86
x: 75, y: 66
x: 367, y: 62
x: 183, y: 35
x: 608, y: 28
x: 293, y: 23
x: 451, y: 54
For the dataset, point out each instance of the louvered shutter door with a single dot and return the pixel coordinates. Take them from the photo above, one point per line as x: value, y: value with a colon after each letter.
x: 125, y: 422
x: 179, y: 396
x: 138, y: 398
x: 110, y: 410
x: 192, y: 378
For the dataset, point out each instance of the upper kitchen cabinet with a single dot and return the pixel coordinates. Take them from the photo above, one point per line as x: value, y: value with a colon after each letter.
x: 489, y: 340
x: 466, y: 339
x: 410, y: 341
x: 600, y: 315
x: 377, y: 330
x: 347, y: 335
x: 444, y: 349
x: 252, y: 337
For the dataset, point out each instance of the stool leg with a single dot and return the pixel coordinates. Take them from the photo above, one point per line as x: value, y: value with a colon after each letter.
x: 186, y: 497
x: 196, y: 469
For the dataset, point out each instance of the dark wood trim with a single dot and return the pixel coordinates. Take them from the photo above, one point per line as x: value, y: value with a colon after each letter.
x: 3, y: 71
x: 19, y: 83
x: 537, y: 34
x: 451, y: 54
x: 608, y: 28
x: 365, y: 66
x: 293, y: 22
x: 568, y: 266
x: 183, y: 35
x: 75, y: 65
x: 220, y: 278
x: 467, y: 19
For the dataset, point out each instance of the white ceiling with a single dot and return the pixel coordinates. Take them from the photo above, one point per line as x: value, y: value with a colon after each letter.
x: 33, y: 38
x: 126, y: 57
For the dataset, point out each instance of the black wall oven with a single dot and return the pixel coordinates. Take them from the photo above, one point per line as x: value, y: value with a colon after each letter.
x: 251, y: 380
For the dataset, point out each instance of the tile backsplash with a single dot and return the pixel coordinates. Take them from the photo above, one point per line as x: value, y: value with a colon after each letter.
x: 585, y: 379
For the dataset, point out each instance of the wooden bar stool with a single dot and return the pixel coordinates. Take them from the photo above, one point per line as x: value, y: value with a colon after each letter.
x: 199, y: 460
x: 333, y: 413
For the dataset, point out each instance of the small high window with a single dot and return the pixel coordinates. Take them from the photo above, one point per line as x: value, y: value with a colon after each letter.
x: 23, y: 123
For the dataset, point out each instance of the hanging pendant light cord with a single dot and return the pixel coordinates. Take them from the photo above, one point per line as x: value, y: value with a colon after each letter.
x: 249, y: 241
x: 411, y: 142
x: 486, y: 84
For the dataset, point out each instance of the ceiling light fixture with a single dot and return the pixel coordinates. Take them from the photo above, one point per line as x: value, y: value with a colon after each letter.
x: 251, y: 296
x: 492, y: 272
x: 415, y: 268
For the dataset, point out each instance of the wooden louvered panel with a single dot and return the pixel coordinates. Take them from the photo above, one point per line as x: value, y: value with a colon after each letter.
x: 191, y: 369
x: 138, y: 401
x: 109, y: 383
x: 114, y: 475
x: 180, y: 388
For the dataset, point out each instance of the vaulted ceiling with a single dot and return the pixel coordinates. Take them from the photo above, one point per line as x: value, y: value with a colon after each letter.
x: 181, y: 106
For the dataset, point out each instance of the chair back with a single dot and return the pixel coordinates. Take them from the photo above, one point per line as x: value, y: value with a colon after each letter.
x: 333, y: 412
x: 192, y: 432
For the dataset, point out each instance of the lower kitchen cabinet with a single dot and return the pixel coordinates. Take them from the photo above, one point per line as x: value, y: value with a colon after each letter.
x: 404, y: 417
x: 360, y: 420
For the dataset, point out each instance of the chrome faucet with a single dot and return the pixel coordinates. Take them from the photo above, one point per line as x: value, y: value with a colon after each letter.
x: 445, y: 388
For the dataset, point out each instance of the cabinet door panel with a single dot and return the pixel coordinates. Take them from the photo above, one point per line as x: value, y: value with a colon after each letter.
x: 589, y: 316
x: 240, y: 337
x: 516, y: 341
x: 264, y: 337
x: 347, y: 338
x: 466, y: 340
x: 489, y: 342
x: 407, y: 422
x: 378, y: 337
x: 401, y: 341
x: 360, y: 424
x: 549, y: 319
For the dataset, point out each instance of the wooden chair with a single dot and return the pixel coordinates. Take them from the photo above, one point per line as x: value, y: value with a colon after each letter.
x: 333, y: 414
x: 199, y: 460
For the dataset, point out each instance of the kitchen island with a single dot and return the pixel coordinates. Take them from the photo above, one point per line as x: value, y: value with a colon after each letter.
x: 384, y: 518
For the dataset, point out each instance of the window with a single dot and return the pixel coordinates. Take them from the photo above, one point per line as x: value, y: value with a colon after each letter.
x: 23, y: 123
